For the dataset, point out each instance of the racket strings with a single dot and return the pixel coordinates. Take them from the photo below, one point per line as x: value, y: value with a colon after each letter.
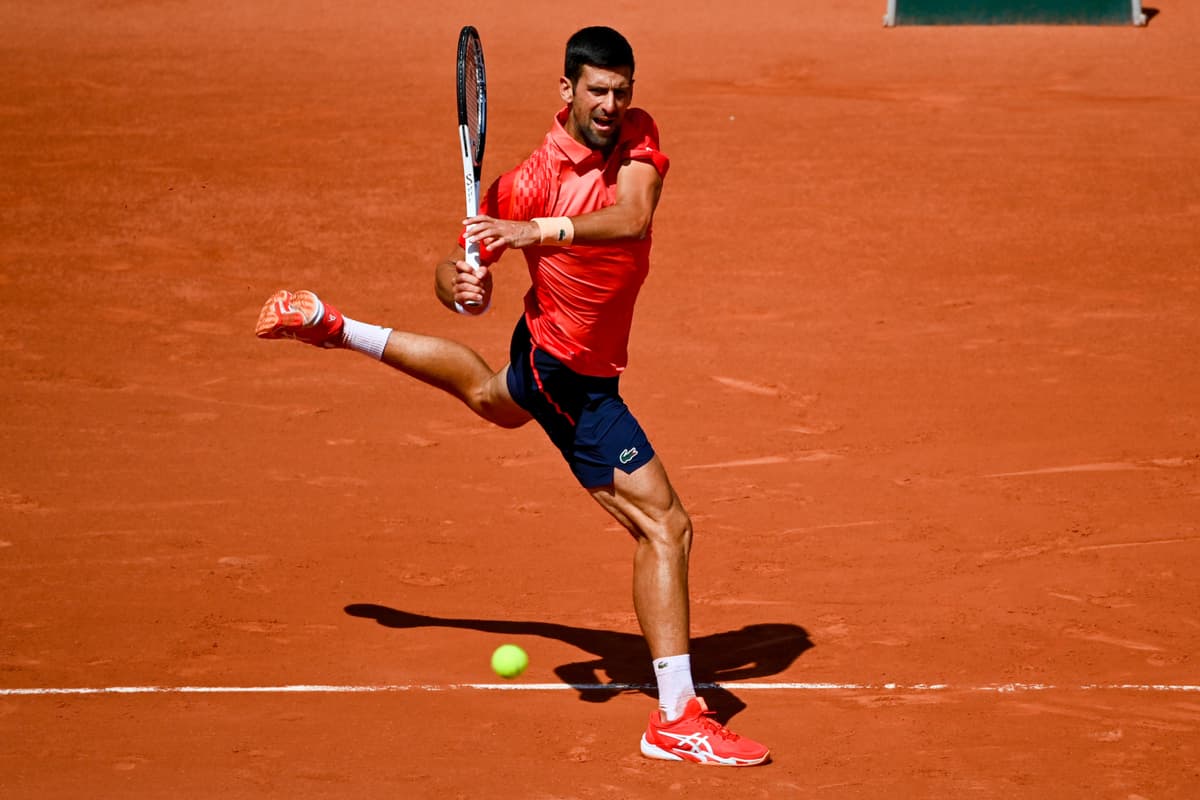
x: 474, y: 95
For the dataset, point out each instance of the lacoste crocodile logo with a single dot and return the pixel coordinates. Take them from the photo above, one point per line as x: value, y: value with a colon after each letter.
x: 628, y: 455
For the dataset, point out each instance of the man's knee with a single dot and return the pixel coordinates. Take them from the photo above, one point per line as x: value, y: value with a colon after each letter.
x: 673, y: 528
x: 505, y: 414
x: 496, y: 405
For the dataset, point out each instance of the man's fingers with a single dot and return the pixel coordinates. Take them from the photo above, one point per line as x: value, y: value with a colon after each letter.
x: 469, y: 282
x: 475, y: 222
x: 484, y: 233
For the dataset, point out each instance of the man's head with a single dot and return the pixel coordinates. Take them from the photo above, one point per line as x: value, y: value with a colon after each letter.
x: 597, y: 84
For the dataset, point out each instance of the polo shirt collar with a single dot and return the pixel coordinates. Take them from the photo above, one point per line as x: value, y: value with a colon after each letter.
x: 576, y: 151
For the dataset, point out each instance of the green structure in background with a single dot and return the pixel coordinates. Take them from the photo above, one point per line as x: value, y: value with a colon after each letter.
x: 1014, y: 12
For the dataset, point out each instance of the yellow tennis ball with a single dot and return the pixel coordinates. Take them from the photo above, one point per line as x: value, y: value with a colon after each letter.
x: 509, y: 661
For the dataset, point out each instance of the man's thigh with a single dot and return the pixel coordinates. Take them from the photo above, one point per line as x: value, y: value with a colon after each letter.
x: 643, y: 500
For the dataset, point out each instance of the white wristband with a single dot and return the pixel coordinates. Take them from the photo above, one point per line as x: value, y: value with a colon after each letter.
x: 558, y: 231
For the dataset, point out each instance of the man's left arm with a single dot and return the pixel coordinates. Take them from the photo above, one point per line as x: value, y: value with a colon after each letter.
x: 639, y: 186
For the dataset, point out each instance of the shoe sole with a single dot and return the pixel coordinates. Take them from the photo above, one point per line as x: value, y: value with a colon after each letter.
x: 274, y: 322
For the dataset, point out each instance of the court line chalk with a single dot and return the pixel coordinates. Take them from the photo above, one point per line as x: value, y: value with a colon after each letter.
x: 994, y: 688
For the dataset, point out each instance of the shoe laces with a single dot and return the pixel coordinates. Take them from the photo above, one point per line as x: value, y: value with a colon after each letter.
x: 709, y: 723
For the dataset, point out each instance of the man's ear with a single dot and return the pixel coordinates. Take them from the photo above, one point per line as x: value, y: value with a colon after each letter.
x: 566, y: 90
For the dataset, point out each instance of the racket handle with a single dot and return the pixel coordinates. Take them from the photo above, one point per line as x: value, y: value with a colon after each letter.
x: 472, y: 191
x: 472, y: 260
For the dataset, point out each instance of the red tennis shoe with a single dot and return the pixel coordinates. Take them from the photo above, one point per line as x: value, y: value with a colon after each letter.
x: 697, y: 737
x: 300, y: 315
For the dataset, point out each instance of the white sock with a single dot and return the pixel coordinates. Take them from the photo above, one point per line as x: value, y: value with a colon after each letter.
x: 675, y: 688
x: 364, y: 337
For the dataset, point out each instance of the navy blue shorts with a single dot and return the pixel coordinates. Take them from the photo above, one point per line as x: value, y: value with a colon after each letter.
x: 583, y: 415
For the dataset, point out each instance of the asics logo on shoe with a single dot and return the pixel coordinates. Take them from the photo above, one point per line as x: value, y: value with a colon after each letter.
x: 628, y: 455
x: 697, y: 747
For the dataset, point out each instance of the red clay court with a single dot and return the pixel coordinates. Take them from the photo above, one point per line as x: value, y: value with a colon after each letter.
x: 918, y: 347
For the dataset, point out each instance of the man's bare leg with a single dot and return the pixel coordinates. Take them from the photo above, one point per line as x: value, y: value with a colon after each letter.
x: 458, y: 370
x: 682, y: 729
x: 646, y: 504
x: 442, y: 363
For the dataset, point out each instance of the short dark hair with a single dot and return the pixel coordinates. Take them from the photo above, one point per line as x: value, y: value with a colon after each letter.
x: 597, y: 46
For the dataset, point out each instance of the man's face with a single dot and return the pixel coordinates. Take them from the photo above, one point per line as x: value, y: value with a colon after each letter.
x: 598, y: 100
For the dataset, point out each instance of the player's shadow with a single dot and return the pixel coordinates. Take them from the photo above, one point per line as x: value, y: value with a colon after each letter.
x: 753, y: 651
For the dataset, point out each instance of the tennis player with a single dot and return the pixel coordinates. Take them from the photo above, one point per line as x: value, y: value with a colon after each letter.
x: 579, y: 209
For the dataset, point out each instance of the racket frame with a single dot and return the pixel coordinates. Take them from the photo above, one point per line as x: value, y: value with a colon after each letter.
x: 472, y: 156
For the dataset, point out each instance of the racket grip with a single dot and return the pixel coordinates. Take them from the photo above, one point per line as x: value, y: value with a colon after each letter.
x: 472, y: 260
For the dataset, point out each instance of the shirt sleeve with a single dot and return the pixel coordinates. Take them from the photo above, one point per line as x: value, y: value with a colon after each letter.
x: 641, y: 137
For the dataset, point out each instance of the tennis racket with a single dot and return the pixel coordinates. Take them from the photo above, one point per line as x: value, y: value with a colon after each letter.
x: 472, y: 122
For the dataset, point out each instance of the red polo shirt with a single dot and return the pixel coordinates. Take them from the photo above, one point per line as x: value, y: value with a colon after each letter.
x: 580, y: 305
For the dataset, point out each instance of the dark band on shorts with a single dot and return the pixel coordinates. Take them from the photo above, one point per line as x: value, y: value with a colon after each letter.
x: 583, y: 415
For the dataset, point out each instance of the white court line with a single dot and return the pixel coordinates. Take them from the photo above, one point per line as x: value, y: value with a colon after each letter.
x: 996, y: 688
